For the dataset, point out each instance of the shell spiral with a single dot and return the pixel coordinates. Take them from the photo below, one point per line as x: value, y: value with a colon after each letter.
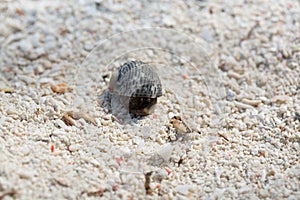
x: 137, y: 79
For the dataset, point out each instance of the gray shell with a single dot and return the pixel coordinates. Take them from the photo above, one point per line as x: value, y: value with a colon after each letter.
x: 136, y: 79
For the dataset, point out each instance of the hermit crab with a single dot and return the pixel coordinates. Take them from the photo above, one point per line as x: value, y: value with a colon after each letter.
x: 136, y: 86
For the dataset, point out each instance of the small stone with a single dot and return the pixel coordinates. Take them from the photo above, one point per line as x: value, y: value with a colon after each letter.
x: 25, y: 150
x: 207, y: 34
x: 245, y: 189
x: 230, y: 95
x: 161, y: 174
x: 264, y: 193
x: 281, y: 99
x: 74, y: 147
x: 26, y: 174
x: 46, y: 80
x: 242, y: 105
x: 7, y: 90
x: 184, y: 189
x: 251, y: 102
x: 232, y: 74
x: 60, y: 88
x: 169, y: 21
x: 46, y: 64
x: 27, y: 79
x: 166, y: 151
x: 61, y: 124
x: 11, y: 111
x: 88, y: 46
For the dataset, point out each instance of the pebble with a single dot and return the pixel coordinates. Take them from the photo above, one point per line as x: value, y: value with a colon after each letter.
x: 230, y: 95
x: 219, y: 193
x: 14, y: 24
x: 26, y: 79
x: 245, y: 189
x: 25, y: 150
x: 264, y: 193
x: 207, y: 34
x: 61, y: 124
x: 169, y: 21
x: 251, y: 102
x: 161, y: 174
x: 4, y: 30
x: 26, y: 174
x: 12, y: 111
x: 232, y: 74
x: 105, y: 122
x: 185, y: 189
x: 242, y: 105
x: 165, y: 151
x: 88, y: 46
x: 74, y: 147
x: 281, y: 99
x: 46, y: 80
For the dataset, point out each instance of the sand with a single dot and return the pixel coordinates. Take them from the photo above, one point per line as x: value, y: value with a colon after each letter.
x: 226, y: 127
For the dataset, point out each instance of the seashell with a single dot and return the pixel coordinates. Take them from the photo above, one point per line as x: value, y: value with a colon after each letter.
x: 180, y: 126
x: 137, y: 86
x: 59, y: 88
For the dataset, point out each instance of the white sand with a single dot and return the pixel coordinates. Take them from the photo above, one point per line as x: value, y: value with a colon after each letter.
x: 230, y: 70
